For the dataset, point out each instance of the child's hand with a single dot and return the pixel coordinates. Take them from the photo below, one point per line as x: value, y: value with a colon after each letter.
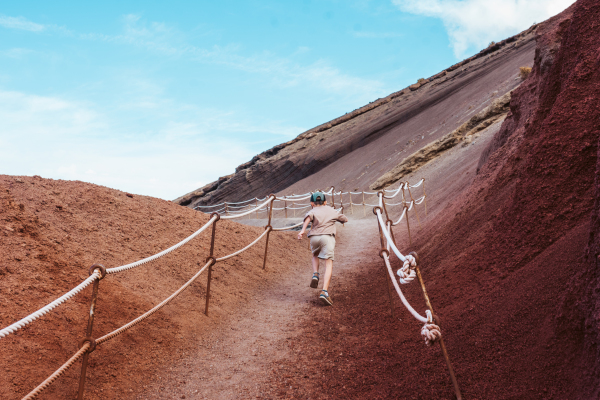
x: 300, y: 235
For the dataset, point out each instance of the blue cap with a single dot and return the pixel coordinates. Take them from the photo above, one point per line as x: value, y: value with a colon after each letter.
x: 316, y: 196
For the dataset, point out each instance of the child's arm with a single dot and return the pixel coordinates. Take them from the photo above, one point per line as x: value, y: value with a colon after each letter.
x: 306, y: 221
x: 342, y: 218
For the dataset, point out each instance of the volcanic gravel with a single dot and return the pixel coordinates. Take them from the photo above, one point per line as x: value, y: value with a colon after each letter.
x: 509, y: 256
x: 51, y: 232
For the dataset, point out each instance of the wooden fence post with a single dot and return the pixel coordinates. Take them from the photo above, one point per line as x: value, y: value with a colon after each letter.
x: 213, y: 260
x: 269, y: 227
x: 90, y: 326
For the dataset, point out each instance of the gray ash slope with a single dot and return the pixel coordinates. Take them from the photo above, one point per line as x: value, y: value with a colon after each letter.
x: 354, y: 150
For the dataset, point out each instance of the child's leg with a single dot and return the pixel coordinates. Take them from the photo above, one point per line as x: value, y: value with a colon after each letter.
x: 328, y: 271
x: 315, y: 264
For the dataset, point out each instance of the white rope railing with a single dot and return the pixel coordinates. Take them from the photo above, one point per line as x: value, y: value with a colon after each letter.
x: 401, y: 217
x: 95, y: 275
x: 288, y: 227
x: 46, y: 309
x: 238, y: 211
x: 162, y: 253
x: 269, y: 200
x: 245, y: 248
x: 214, y: 205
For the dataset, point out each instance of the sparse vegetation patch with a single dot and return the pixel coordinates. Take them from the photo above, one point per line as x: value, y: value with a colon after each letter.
x: 524, y: 72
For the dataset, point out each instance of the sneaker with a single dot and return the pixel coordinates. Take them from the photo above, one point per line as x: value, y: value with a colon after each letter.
x: 315, y: 280
x: 325, y: 299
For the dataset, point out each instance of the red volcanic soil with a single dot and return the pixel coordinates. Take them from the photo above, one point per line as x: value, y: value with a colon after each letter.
x: 511, y: 264
x: 510, y: 259
x: 51, y: 232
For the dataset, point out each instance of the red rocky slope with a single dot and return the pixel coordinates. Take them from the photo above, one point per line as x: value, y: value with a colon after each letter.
x: 515, y: 250
x: 354, y: 150
x: 51, y: 232
x: 511, y: 264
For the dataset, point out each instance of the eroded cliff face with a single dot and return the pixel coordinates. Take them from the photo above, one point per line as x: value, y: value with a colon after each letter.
x: 527, y: 231
x: 465, y: 134
x: 443, y: 100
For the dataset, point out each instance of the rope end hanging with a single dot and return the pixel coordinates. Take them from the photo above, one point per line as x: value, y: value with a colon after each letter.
x: 430, y: 332
x: 407, y: 273
x: 101, y: 270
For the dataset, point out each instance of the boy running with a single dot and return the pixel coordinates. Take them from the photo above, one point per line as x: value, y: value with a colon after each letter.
x: 322, y: 240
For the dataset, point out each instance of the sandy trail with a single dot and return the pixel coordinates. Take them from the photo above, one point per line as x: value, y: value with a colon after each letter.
x: 284, y: 344
x: 237, y: 359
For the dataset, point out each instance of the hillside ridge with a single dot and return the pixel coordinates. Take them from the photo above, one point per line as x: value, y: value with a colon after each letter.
x: 409, y: 101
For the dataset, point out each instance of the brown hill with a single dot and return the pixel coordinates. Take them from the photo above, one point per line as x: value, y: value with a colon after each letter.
x: 354, y: 150
x: 509, y: 250
x: 51, y: 232
x: 510, y: 257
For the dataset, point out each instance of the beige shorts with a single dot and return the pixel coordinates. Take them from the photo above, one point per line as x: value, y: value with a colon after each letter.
x: 322, y: 246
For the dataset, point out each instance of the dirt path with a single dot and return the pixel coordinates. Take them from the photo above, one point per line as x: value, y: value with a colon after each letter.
x: 238, y: 359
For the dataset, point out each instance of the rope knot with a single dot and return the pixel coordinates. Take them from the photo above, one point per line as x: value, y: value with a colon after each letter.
x: 407, y: 273
x: 430, y: 331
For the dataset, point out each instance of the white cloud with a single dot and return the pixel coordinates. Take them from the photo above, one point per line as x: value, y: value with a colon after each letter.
x: 475, y: 23
x: 16, y: 53
x: 280, y: 71
x: 376, y: 35
x: 62, y: 139
x: 20, y: 23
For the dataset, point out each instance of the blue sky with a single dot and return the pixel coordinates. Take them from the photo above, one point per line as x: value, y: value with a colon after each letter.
x: 160, y: 98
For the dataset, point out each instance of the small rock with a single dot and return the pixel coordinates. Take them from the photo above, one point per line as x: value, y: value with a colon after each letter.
x: 129, y: 195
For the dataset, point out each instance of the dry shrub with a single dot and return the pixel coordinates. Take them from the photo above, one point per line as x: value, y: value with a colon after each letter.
x: 421, y: 80
x: 524, y: 72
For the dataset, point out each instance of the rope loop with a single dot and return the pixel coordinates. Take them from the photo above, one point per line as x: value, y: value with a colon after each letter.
x: 91, y: 341
x: 416, y: 257
x: 406, y: 274
x: 102, y: 269
x: 212, y: 259
x: 269, y: 227
x: 382, y: 252
x: 217, y: 215
x: 377, y: 208
x: 430, y: 332
x: 410, y: 262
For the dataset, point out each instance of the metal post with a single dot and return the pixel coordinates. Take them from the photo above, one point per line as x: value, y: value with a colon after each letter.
x: 256, y: 206
x: 436, y: 320
x: 389, y: 222
x: 387, y: 279
x: 226, y: 209
x: 408, y: 225
x: 285, y: 207
x: 416, y: 212
x: 294, y: 205
x: 333, y: 195
x: 364, y: 207
x: 308, y: 245
x: 342, y: 199
x: 425, y: 196
x: 351, y: 209
x: 213, y: 260
x: 90, y: 326
x: 269, y: 227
